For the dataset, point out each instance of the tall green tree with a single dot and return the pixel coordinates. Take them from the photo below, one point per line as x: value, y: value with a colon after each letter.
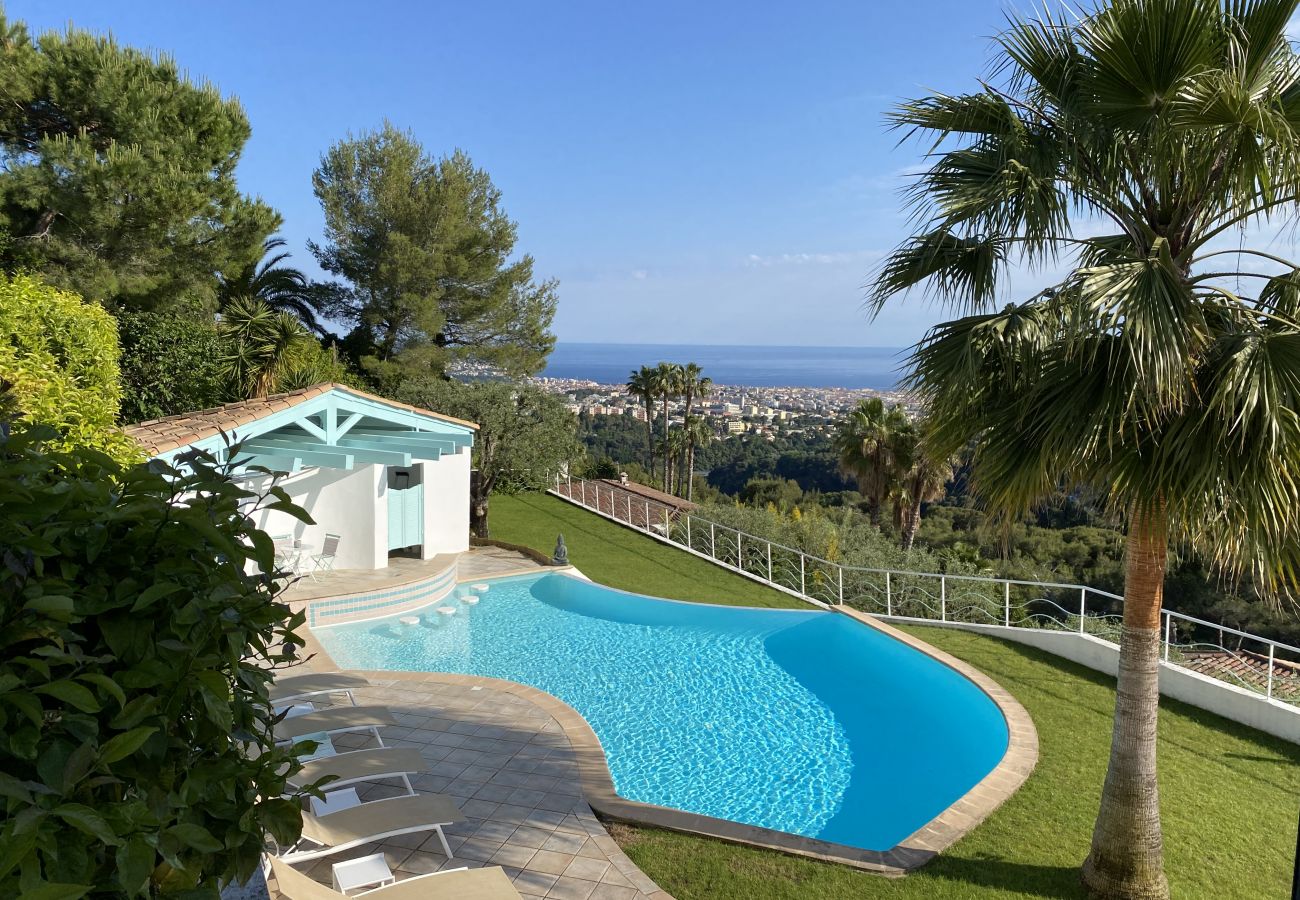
x: 667, y: 381
x: 525, y: 434
x: 699, y: 433
x: 1163, y: 370
x: 695, y: 386
x: 118, y: 173
x: 920, y: 478
x: 425, y: 254
x: 864, y: 443
x: 275, y: 285
x: 640, y: 384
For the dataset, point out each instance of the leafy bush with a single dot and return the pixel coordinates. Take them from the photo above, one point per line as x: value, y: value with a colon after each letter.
x: 135, y: 653
x: 59, y: 365
x: 171, y: 364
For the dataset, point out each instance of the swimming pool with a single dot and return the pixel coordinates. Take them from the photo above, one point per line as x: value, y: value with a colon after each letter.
x: 806, y: 722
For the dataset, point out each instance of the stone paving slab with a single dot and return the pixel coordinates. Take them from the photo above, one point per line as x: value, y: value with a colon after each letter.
x: 509, y: 766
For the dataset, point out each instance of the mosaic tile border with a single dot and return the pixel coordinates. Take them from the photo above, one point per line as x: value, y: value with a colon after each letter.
x: 374, y: 604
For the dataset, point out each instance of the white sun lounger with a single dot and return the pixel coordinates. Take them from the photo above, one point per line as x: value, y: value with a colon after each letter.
x: 334, y: 720
x: 458, y: 884
x: 374, y: 821
x: 362, y: 765
x: 299, y: 687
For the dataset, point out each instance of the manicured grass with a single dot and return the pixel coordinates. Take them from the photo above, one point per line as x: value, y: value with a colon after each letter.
x: 1228, y: 793
x: 621, y: 558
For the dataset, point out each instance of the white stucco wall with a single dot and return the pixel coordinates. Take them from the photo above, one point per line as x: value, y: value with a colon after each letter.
x: 1229, y: 701
x: 351, y: 504
x: 446, y: 504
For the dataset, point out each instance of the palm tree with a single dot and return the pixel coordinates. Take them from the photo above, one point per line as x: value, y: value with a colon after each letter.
x: 280, y: 288
x: 1161, y: 371
x: 864, y: 446
x: 641, y: 383
x: 668, y: 384
x: 694, y: 385
x: 698, y: 434
x: 674, y: 445
x: 922, y: 478
x: 265, y: 346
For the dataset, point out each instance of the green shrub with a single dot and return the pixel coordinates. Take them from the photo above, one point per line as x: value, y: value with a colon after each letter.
x: 59, y: 365
x: 171, y: 364
x: 135, y: 653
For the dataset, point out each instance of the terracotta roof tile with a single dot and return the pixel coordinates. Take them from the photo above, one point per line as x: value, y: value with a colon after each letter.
x: 649, y: 493
x: 161, y: 435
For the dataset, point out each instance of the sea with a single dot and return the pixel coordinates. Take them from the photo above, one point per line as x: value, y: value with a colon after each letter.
x: 855, y: 368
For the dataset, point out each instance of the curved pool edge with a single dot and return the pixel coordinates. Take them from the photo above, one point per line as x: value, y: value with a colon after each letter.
x: 941, y: 832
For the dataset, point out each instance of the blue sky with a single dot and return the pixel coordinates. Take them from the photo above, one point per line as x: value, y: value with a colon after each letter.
x: 690, y: 172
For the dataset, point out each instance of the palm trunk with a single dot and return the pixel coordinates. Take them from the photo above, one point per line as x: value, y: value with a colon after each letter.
x: 911, y: 525
x: 1127, y: 857
x: 650, y: 435
x: 690, y: 471
x: 668, y: 453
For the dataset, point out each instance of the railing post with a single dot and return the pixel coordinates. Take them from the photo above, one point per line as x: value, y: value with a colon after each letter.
x: 943, y: 598
x: 802, y: 584
x: 629, y: 509
x: 889, y: 600
x: 769, y: 561
x: 647, y: 515
x: 1169, y: 627
x: 688, y: 530
x: 840, y: 570
x: 1272, y: 648
x: 1083, y: 607
x: 668, y: 528
x: 713, y: 540
x: 583, y: 482
x: 740, y: 555
x: 1006, y: 603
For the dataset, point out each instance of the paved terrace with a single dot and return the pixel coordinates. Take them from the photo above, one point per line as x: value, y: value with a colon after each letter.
x: 474, y: 565
x: 511, y: 769
x: 504, y: 759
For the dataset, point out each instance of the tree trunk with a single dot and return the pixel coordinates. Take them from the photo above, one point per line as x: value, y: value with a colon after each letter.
x: 690, y: 471
x: 873, y: 511
x: 650, y: 436
x: 479, y: 495
x: 668, y: 453
x: 1127, y: 857
x: 912, y: 524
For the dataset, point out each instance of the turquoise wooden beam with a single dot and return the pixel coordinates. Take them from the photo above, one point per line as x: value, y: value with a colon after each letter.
x: 387, y: 457
x: 274, y: 463
x: 401, y: 445
x: 311, y: 454
x: 456, y: 441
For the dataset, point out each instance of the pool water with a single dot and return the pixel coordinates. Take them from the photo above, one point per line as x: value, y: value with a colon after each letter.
x: 801, y: 721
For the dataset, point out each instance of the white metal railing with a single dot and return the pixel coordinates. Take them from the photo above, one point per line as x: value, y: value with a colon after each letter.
x: 1246, y: 660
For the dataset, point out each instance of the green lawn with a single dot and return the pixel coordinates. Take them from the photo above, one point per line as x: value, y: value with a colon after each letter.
x: 1229, y: 794
x: 622, y: 558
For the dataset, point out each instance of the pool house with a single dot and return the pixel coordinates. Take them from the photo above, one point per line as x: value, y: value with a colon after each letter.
x: 382, y: 480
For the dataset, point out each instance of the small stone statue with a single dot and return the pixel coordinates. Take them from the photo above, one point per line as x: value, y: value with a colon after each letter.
x: 561, y: 557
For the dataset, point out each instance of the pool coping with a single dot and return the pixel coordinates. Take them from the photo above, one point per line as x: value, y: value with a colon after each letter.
x: 916, y: 850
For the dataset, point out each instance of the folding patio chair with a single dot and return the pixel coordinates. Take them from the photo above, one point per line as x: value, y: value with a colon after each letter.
x: 488, y: 883
x: 324, y: 561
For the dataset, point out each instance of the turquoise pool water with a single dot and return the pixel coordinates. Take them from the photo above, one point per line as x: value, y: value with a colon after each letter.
x: 802, y: 721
